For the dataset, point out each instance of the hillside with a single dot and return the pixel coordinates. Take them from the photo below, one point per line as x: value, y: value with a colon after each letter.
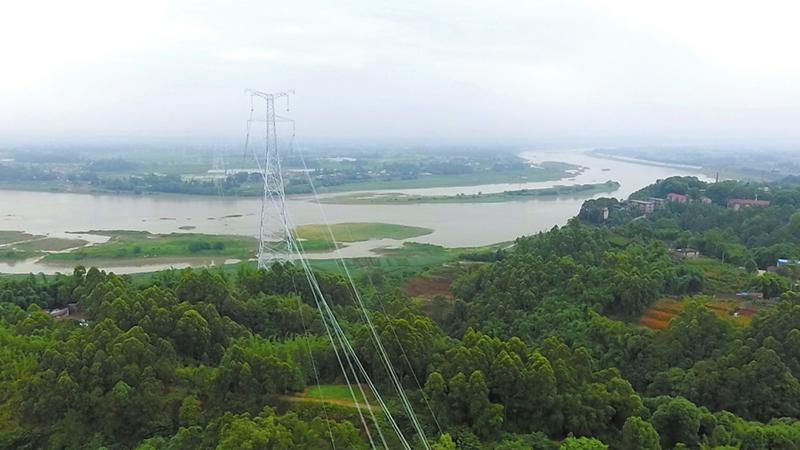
x: 585, y: 336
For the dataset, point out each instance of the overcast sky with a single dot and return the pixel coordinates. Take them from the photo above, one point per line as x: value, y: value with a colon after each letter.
x: 540, y: 72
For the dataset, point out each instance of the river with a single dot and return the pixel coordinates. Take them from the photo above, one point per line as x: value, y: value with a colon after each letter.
x: 454, y: 225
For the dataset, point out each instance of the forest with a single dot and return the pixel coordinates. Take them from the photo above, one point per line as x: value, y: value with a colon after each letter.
x: 538, y: 348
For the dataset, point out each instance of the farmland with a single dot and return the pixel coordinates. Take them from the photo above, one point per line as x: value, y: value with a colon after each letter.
x: 657, y: 317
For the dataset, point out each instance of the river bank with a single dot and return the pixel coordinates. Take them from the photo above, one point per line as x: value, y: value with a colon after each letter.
x: 452, y: 224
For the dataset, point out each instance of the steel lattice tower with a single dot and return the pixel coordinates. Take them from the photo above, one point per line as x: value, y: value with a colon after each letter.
x: 274, y: 233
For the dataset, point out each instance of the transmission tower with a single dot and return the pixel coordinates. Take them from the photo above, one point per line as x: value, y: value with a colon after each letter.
x: 220, y: 173
x: 274, y: 233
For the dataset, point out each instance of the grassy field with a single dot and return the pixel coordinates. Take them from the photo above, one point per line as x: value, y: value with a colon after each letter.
x: 316, y: 237
x: 141, y: 244
x: 407, y: 261
x: 404, y: 262
x: 721, y: 279
x: 11, y: 254
x: 410, y: 259
x: 335, y: 394
x: 332, y: 392
x: 497, y: 197
x: 359, y: 231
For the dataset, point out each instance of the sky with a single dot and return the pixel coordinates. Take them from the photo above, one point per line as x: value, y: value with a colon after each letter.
x: 562, y: 72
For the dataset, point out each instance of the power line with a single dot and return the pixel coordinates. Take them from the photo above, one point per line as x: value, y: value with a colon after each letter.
x: 277, y: 243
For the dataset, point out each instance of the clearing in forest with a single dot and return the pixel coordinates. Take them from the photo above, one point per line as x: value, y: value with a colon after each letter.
x: 337, y: 394
x: 658, y: 315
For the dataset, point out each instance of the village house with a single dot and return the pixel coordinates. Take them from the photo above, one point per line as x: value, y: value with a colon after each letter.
x: 680, y: 198
x: 739, y: 203
x: 58, y: 313
x: 645, y: 206
x: 63, y: 313
x: 685, y: 253
x: 750, y: 295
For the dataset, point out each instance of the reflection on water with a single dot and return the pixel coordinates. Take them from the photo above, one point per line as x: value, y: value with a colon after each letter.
x: 454, y: 225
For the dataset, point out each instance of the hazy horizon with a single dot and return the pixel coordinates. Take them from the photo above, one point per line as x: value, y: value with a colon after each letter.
x: 529, y: 74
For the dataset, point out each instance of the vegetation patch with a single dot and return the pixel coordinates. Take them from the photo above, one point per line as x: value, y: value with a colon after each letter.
x: 720, y: 278
x: 402, y: 263
x: 9, y: 236
x: 398, y: 263
x: 18, y: 245
x: 11, y: 254
x: 141, y: 244
x: 434, y: 282
x: 358, y: 231
x: 333, y: 393
x: 50, y: 244
x: 427, y: 286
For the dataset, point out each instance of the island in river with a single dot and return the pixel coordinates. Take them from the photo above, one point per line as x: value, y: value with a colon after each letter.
x: 128, y: 247
x: 197, y: 173
x: 493, y: 197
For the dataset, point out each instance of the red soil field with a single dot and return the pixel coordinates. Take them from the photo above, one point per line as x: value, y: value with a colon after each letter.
x: 657, y: 317
x: 428, y: 287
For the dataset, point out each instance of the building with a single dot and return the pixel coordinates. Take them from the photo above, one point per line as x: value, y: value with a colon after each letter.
x: 750, y: 295
x: 705, y: 200
x: 680, y: 198
x: 645, y: 206
x: 604, y: 211
x: 739, y: 203
x: 686, y: 253
x: 788, y: 262
x: 58, y: 313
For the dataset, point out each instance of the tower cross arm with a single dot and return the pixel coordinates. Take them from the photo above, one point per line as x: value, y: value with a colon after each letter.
x: 273, y: 95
